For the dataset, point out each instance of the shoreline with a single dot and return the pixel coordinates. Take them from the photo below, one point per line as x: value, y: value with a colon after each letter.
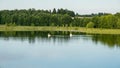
x: 55, y: 28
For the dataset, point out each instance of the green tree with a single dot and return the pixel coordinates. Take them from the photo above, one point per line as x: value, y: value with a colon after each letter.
x: 117, y: 15
x: 60, y: 17
x: 90, y: 25
x: 66, y: 20
x: 118, y: 24
x: 96, y: 21
x: 54, y: 11
x: 108, y: 21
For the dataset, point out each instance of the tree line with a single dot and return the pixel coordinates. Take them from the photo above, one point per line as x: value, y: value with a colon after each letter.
x: 58, y: 17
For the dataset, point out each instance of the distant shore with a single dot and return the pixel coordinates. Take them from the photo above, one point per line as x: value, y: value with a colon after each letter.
x: 55, y: 28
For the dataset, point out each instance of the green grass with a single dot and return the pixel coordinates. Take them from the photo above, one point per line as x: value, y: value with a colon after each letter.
x: 51, y: 28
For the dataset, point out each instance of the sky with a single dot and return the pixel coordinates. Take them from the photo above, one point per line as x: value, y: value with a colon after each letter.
x: 79, y: 6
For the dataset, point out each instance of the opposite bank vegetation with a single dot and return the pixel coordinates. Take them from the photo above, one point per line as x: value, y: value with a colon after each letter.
x: 52, y: 28
x: 59, y: 20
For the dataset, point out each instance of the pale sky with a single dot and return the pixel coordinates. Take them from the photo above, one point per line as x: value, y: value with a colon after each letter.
x: 79, y: 6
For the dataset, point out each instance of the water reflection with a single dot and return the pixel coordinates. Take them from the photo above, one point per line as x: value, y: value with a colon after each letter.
x: 36, y: 50
x: 110, y: 40
x: 32, y: 37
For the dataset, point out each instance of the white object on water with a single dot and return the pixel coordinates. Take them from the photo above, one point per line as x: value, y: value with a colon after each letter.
x: 49, y: 35
x: 70, y: 34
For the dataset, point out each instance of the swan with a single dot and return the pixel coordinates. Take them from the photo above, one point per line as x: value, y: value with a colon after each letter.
x: 70, y: 34
x: 49, y: 35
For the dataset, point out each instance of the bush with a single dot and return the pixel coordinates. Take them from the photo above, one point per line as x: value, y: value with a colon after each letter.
x: 118, y: 24
x: 10, y: 24
x: 90, y: 25
x: 32, y: 24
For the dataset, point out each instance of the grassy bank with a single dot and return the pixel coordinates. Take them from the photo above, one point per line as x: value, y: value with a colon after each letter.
x: 50, y: 28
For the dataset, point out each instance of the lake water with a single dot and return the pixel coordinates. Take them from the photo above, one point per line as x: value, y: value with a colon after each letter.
x: 37, y: 50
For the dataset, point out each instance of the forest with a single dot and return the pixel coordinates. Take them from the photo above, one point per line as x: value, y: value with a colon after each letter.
x: 58, y: 17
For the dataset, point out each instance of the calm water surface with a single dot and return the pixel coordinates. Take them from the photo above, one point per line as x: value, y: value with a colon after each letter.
x: 37, y: 50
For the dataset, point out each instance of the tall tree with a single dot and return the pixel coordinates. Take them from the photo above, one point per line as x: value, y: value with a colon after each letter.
x: 54, y: 11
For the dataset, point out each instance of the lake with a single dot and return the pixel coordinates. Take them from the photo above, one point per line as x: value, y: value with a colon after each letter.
x: 37, y: 50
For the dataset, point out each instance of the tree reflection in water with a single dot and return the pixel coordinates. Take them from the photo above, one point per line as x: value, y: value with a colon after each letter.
x: 109, y: 40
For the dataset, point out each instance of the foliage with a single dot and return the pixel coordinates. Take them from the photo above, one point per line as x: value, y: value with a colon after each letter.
x: 54, y: 11
x: 90, y: 25
x: 57, y: 17
x: 10, y: 24
x: 118, y: 24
